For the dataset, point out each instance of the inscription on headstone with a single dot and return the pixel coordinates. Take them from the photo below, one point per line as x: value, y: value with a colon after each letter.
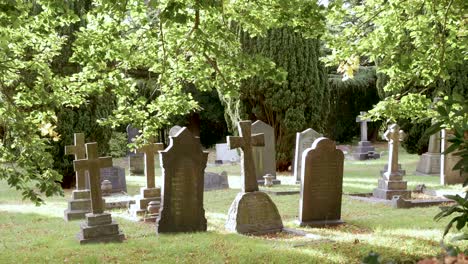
x: 183, y: 163
x: 322, y: 184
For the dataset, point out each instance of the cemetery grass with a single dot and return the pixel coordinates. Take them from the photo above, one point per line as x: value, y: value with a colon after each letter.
x: 30, y: 234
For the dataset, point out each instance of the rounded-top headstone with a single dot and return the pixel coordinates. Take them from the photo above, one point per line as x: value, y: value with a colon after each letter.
x: 174, y: 130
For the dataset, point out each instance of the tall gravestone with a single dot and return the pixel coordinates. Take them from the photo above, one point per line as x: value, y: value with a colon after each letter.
x: 80, y: 203
x: 364, y: 149
x: 322, y: 184
x: 429, y: 162
x: 304, y: 140
x: 183, y: 164
x: 150, y: 192
x: 265, y: 157
x: 392, y: 182
x: 135, y: 160
x: 252, y: 211
x: 98, y: 226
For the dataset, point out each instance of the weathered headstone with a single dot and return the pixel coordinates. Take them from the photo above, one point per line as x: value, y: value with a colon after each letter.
x: 135, y: 160
x: 215, y: 181
x: 304, y: 140
x: 392, y: 182
x: 429, y: 162
x: 150, y: 193
x: 265, y: 157
x: 322, y: 184
x: 116, y: 175
x: 448, y: 176
x: 224, y: 154
x: 98, y: 226
x: 252, y: 211
x: 364, y: 150
x: 80, y: 203
x: 183, y: 163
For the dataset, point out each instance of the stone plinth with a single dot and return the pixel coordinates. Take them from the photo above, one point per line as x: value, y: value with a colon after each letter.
x: 401, y: 172
x: 253, y: 213
x: 364, y: 150
x: 78, y: 206
x: 429, y: 164
x: 99, y: 228
x: 390, y: 186
x: 147, y: 195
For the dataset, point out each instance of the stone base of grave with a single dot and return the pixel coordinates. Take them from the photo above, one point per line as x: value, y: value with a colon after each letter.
x: 78, y: 206
x: 99, y: 228
x: 364, y: 150
x: 401, y: 172
x: 139, y: 209
x: 387, y: 188
x: 275, y: 182
x: 321, y: 223
x: 429, y: 164
x: 253, y: 213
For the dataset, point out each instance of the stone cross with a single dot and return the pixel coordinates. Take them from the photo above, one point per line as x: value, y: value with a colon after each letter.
x: 393, y: 135
x: 79, y: 151
x: 93, y: 165
x: 150, y: 150
x: 245, y: 141
x: 363, y: 122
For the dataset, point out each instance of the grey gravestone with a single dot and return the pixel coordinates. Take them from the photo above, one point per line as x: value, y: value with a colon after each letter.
x: 392, y: 182
x: 149, y: 193
x: 116, y: 175
x: 322, y: 184
x: 214, y: 181
x: 252, y: 211
x: 174, y: 130
x: 135, y: 160
x: 304, y: 140
x: 99, y: 226
x: 183, y: 163
x: 429, y: 162
x: 224, y: 154
x: 80, y: 203
x: 265, y: 157
x: 364, y: 150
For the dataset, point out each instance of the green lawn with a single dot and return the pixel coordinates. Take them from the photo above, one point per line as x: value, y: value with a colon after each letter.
x: 30, y: 234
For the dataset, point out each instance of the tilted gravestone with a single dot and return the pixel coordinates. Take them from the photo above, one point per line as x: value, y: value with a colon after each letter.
x: 265, y: 157
x: 252, y: 211
x: 322, y: 184
x: 183, y: 164
x: 98, y: 226
x: 135, y: 160
x: 364, y: 150
x: 392, y: 182
x: 150, y: 193
x: 429, y: 162
x: 304, y: 140
x: 80, y: 203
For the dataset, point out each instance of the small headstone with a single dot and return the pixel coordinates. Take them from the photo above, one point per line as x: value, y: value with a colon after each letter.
x: 224, y: 154
x: 392, y: 182
x: 364, y: 150
x: 268, y: 180
x: 429, y: 162
x: 304, y: 140
x: 150, y: 192
x: 252, y: 211
x: 264, y: 157
x: 215, y: 181
x: 99, y: 226
x: 183, y: 163
x: 322, y: 184
x: 116, y: 176
x: 80, y: 203
x: 135, y: 160
x: 106, y: 187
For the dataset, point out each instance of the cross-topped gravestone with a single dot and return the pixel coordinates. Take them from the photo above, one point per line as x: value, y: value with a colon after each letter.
x: 93, y: 165
x: 79, y: 204
x: 392, y: 182
x: 99, y: 226
x: 252, y: 211
x: 245, y: 141
x: 150, y: 193
x: 79, y: 150
x: 364, y: 150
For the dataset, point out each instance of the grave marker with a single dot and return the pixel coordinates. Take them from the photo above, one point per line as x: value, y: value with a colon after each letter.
x: 322, y: 184
x: 364, y: 150
x: 183, y: 163
x: 265, y: 156
x: 304, y: 140
x: 135, y: 160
